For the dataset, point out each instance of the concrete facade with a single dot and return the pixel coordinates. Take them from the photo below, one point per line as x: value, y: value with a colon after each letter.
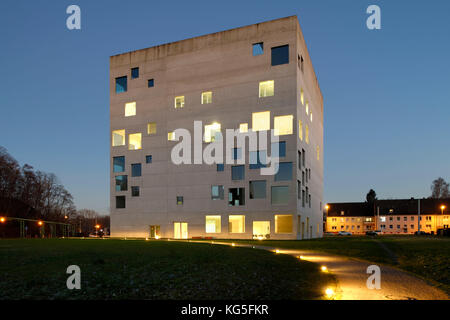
x: 222, y: 63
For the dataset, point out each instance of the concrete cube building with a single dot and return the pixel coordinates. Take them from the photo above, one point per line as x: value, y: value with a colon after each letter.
x: 250, y: 79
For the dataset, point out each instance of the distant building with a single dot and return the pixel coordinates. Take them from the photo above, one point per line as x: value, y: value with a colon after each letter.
x: 389, y: 216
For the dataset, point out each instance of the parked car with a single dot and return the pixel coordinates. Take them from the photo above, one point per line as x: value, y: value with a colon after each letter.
x: 344, y: 233
x: 373, y: 233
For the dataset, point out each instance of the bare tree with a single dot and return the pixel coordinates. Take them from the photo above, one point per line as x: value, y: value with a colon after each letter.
x: 439, y: 189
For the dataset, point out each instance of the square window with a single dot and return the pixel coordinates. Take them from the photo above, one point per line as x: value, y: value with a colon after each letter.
x: 180, y: 200
x: 119, y: 164
x: 236, y: 197
x: 212, y: 132
x: 283, y: 223
x: 220, y: 167
x: 150, y: 83
x: 258, y: 189
x: 135, y: 191
x: 118, y: 138
x: 261, y: 121
x: 280, y: 195
x: 237, y: 153
x: 217, y: 192
x: 148, y: 159
x: 136, y: 170
x: 134, y: 73
x: 280, y: 55
x: 212, y: 224
x: 120, y: 202
x: 258, y: 48
x: 282, y: 125
x: 207, y: 97
x: 130, y: 109
x: 135, y: 141
x: 237, y: 172
x: 266, y: 88
x: 236, y: 224
x: 278, y: 149
x: 151, y: 128
x: 258, y: 159
x: 121, y: 183
x: 179, y: 102
x: 243, y: 127
x: 121, y: 84
x: 284, y: 172
x: 171, y: 136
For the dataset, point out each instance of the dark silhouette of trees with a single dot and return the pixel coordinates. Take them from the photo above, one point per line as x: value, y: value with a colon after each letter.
x: 371, y: 196
x: 440, y: 189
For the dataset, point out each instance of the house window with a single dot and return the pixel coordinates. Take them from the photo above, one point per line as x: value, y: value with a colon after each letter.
x: 237, y: 153
x: 236, y: 224
x: 278, y: 149
x: 307, y: 134
x: 180, y: 200
x: 258, y: 159
x: 179, y: 102
x: 119, y: 164
x: 258, y: 48
x: 220, y: 167
x: 280, y: 195
x: 212, y: 132
x: 303, y: 157
x: 283, y: 125
x: 237, y: 172
x: 300, y: 130
x: 243, y: 127
x: 151, y: 128
x: 307, y: 108
x: 120, y: 202
x: 148, y: 159
x: 212, y: 224
x: 309, y: 200
x: 310, y: 116
x: 121, y: 84
x: 299, y: 189
x: 236, y: 197
x: 261, y: 121
x: 318, y: 153
x: 151, y: 83
x: 258, y: 189
x: 280, y: 55
x: 300, y: 62
x: 217, y: 192
x: 135, y: 191
x: 136, y: 170
x: 135, y: 141
x: 284, y: 172
x: 118, y: 138
x: 266, y: 88
x: 134, y: 73
x: 283, y: 223
x: 130, y: 109
x: 121, y: 183
x: 299, y: 159
x: 206, y: 97
x: 303, y: 198
x: 171, y: 136
x: 302, y: 96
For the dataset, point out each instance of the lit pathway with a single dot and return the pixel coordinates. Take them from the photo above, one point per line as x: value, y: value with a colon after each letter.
x: 351, y: 275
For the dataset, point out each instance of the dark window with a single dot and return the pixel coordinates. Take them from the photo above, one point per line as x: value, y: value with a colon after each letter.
x: 135, y: 191
x: 258, y: 48
x: 220, y: 167
x: 217, y: 193
x: 258, y: 159
x: 237, y: 153
x: 118, y: 164
x: 299, y: 160
x: 121, y: 84
x: 284, y: 172
x: 121, y: 183
x: 180, y: 201
x: 280, y: 55
x: 151, y: 83
x: 280, y: 194
x: 309, y: 200
x: 279, y: 149
x: 258, y: 189
x: 134, y: 73
x: 120, y: 202
x: 237, y: 172
x: 136, y: 170
x: 236, y: 196
x: 148, y: 159
x: 300, y: 62
x: 303, y: 198
x: 299, y: 189
x: 303, y: 157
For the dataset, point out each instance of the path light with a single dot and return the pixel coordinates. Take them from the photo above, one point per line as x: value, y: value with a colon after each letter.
x: 40, y: 223
x: 324, y: 269
x: 156, y: 237
x: 2, y: 219
x: 277, y: 251
x: 146, y: 239
x: 233, y: 244
x: 329, y: 292
x: 301, y: 257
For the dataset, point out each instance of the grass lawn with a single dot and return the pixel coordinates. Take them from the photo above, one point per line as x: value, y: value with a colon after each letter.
x: 135, y: 269
x: 427, y: 257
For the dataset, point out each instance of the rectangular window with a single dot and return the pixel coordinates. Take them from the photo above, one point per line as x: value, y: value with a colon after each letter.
x: 243, y: 127
x: 302, y: 96
x: 280, y: 195
x: 217, y: 192
x: 284, y: 172
x: 135, y: 191
x: 150, y: 83
x: 282, y: 125
x: 237, y: 153
x: 258, y: 48
x: 121, y: 183
x: 121, y: 84
x: 283, y: 223
x: 236, y: 197
x: 212, y: 224
x: 134, y: 73
x: 171, y: 136
x: 148, y: 159
x: 318, y: 153
x: 266, y: 88
x: 118, y: 138
x: 180, y: 200
x: 299, y: 189
x: 236, y: 224
x: 258, y: 189
x: 299, y: 160
x: 220, y: 167
x: 130, y: 109
x: 179, y: 102
x: 280, y: 55
x: 120, y: 202
x: 301, y: 62
x: 307, y: 134
x: 206, y: 97
x: 309, y: 200
x: 119, y: 164
x: 136, y: 170
x: 300, y: 130
x: 151, y: 128
x: 212, y: 132
x: 258, y: 159
x: 237, y: 172
x: 135, y: 141
x: 261, y: 121
x: 278, y: 149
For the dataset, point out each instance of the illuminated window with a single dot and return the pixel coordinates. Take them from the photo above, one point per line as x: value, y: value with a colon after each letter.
x: 151, y: 128
x: 135, y: 141
x: 130, y: 109
x: 217, y: 192
x: 283, y: 125
x: 318, y: 152
x: 119, y: 164
x: 212, y: 132
x: 118, y: 138
x: 283, y: 223
x: 121, y: 84
x: 179, y: 102
x: 243, y: 127
x: 180, y: 200
x: 302, y: 96
x: 300, y: 129
x: 266, y: 88
x: 121, y: 183
x: 212, y: 224
x: 236, y: 224
x: 206, y: 97
x: 258, y: 48
x: 307, y: 134
x: 261, y: 121
x: 280, y: 195
x: 171, y: 136
x: 310, y: 116
x: 307, y: 107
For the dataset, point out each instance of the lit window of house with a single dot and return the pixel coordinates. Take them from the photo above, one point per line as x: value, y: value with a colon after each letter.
x: 236, y: 224
x: 151, y: 128
x: 243, y: 127
x: 283, y: 223
x: 135, y: 141
x: 302, y: 96
x: 266, y: 88
x: 300, y: 130
x: 318, y: 153
x: 171, y: 136
x: 179, y: 102
x: 261, y: 121
x: 212, y: 132
x: 307, y: 134
x: 307, y: 107
x: 206, y: 97
x: 283, y: 125
x: 130, y: 109
x: 118, y: 138
x: 212, y: 224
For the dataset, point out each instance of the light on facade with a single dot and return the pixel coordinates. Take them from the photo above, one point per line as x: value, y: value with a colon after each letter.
x: 329, y: 292
x: 324, y: 269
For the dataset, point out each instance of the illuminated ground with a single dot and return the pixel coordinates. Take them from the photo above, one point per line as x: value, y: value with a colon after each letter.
x: 137, y: 269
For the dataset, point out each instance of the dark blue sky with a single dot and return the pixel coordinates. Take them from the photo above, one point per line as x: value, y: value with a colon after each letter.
x: 386, y: 93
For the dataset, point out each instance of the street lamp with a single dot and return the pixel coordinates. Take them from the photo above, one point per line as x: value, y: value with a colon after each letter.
x: 40, y: 223
x: 2, y: 219
x: 442, y: 209
x: 97, y: 226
